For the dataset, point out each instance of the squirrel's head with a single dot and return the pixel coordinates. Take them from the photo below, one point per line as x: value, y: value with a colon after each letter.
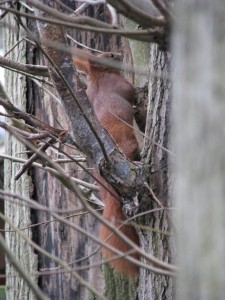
x: 108, y: 61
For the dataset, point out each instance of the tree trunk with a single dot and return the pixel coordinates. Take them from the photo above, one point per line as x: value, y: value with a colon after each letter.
x: 19, y: 214
x: 155, y: 239
x: 2, y: 225
x: 154, y: 106
x: 199, y: 47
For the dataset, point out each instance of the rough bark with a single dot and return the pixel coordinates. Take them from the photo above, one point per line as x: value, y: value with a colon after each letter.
x: 154, y: 96
x: 19, y: 214
x: 2, y: 225
x: 152, y: 286
x: 199, y: 47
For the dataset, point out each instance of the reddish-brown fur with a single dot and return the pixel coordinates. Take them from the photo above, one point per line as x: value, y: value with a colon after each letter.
x: 111, y: 96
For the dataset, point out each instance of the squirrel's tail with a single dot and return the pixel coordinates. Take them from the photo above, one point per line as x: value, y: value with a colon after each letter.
x: 114, y: 214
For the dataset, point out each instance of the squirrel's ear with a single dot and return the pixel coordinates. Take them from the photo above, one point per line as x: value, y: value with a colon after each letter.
x: 82, y: 65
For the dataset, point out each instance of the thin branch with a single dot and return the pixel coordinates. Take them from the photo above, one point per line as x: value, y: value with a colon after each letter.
x: 86, y: 233
x: 92, y: 2
x: 25, y: 68
x: 28, y: 75
x: 81, y: 9
x: 90, y: 174
x: 136, y: 14
x: 67, y: 160
x: 148, y: 35
x: 65, y: 6
x: 155, y: 230
x: 11, y: 257
x: 22, y: 201
x: 159, y: 203
x: 67, y: 18
x: 169, y: 269
x: 82, y: 45
x: 162, y: 9
x: 64, y: 82
x: 3, y: 14
x: 52, y: 171
x: 32, y: 159
x: 50, y: 221
x: 46, y: 90
x: 52, y: 257
x: 15, y: 45
x: 26, y: 6
x: 85, y: 267
x: 28, y: 118
x: 31, y: 120
x: 113, y: 14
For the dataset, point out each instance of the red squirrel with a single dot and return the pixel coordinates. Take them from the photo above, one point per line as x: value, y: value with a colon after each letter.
x: 111, y: 96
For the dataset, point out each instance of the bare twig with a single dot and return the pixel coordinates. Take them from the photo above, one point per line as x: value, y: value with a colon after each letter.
x: 92, y: 2
x: 83, y: 231
x: 84, y: 46
x: 159, y: 203
x: 11, y: 257
x: 52, y: 220
x: 114, y: 16
x: 136, y: 14
x: 29, y: 162
x: 52, y: 171
x: 23, y: 201
x: 15, y: 45
x: 64, y: 17
x: 26, y: 6
x: 63, y: 81
x: 31, y: 120
x: 3, y: 14
x: 168, y: 269
x: 149, y: 35
x: 29, y: 69
x: 52, y: 257
x: 162, y: 9
x: 81, y: 9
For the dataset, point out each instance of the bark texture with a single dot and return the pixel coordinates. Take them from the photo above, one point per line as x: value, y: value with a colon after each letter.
x: 19, y: 214
x: 155, y: 240
x: 2, y: 225
x: 199, y: 47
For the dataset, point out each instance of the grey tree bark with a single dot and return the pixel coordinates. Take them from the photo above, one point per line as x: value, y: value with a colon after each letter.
x: 155, y: 239
x: 19, y: 214
x: 199, y: 91
x: 155, y: 102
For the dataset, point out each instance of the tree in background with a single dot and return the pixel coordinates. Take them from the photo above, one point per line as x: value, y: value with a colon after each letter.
x: 199, y: 131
